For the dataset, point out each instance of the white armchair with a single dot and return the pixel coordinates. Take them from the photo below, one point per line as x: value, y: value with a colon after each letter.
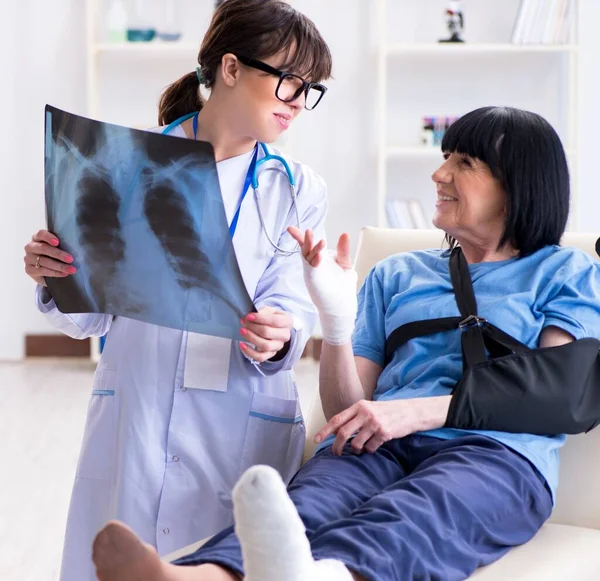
x: 568, y: 547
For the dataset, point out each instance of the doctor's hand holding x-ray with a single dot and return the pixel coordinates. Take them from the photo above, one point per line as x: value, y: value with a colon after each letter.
x: 348, y: 382
x: 265, y: 333
x: 269, y: 331
x: 43, y: 258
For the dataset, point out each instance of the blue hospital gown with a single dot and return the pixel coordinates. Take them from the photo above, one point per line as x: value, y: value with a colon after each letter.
x: 555, y: 286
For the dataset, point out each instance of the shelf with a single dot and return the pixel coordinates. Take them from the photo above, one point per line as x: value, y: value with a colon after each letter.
x: 475, y: 48
x: 431, y: 152
x: 413, y: 151
x: 153, y: 47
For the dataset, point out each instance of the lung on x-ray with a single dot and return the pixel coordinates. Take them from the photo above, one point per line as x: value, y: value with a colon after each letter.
x: 143, y: 217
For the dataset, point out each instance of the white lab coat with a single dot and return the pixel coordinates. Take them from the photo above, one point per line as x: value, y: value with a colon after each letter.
x: 174, y: 417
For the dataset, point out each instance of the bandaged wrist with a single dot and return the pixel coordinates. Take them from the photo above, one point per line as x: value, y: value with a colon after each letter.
x: 333, y: 291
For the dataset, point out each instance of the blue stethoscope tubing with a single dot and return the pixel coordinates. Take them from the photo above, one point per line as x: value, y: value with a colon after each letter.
x: 252, y: 179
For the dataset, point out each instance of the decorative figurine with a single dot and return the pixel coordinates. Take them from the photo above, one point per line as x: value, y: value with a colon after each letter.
x: 455, y: 22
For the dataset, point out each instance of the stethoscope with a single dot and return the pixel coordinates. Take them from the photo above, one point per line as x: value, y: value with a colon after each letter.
x: 252, y: 179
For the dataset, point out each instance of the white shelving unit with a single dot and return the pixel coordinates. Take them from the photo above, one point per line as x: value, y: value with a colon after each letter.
x: 113, y: 69
x: 478, y: 48
x: 149, y: 48
x: 419, y: 151
x: 559, y: 62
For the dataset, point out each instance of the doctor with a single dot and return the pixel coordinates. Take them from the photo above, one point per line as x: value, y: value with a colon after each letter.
x: 175, y: 418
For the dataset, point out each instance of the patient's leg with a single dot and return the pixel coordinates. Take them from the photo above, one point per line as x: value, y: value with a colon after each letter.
x: 274, y: 544
x: 120, y: 556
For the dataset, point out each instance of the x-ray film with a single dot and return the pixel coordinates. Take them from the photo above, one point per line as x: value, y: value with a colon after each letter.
x: 143, y: 217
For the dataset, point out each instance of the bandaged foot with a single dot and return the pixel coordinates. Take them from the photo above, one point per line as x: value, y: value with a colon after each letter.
x: 333, y: 291
x: 272, y: 535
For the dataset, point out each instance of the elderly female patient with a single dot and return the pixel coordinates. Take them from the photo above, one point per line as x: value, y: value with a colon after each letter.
x: 391, y: 493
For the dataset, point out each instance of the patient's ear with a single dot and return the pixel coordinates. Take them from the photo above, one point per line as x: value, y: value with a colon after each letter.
x: 598, y: 247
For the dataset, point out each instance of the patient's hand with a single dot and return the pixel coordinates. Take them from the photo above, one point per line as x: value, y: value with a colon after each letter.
x: 377, y: 422
x: 331, y: 283
x: 312, y: 252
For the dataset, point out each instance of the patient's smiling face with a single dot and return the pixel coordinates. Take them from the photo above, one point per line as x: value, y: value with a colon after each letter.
x: 471, y: 203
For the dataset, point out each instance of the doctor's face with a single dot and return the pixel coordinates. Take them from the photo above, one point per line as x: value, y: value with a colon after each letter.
x: 471, y: 202
x: 263, y: 115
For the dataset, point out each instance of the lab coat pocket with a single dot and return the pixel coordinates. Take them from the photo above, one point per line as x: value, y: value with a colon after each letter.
x: 275, y: 435
x: 97, y: 449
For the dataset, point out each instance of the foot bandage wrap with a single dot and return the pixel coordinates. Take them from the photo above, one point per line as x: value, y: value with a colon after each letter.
x: 272, y: 536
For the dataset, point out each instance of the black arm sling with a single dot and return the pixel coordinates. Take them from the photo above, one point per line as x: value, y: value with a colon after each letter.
x: 549, y: 391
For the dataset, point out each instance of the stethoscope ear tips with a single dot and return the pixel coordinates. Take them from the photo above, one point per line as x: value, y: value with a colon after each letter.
x: 598, y: 247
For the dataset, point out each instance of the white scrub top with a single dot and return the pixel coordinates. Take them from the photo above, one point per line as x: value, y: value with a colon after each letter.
x: 174, y: 417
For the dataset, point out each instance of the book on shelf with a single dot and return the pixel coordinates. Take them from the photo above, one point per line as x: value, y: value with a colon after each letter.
x: 406, y: 214
x: 543, y: 22
x: 418, y: 215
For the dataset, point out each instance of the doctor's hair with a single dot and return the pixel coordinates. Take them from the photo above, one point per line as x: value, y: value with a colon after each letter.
x: 525, y: 154
x: 256, y: 29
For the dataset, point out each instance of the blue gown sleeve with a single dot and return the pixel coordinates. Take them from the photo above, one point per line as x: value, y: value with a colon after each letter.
x: 369, y: 337
x: 575, y: 305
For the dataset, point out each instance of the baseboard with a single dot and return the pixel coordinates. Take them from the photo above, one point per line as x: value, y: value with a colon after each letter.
x: 50, y: 345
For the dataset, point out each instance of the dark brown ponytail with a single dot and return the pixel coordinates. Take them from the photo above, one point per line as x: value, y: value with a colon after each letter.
x: 252, y: 28
x: 179, y: 99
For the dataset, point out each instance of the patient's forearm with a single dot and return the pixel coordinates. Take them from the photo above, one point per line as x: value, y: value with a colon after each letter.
x: 339, y: 382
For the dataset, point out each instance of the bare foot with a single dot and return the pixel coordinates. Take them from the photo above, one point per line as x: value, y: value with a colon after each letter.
x: 120, y: 556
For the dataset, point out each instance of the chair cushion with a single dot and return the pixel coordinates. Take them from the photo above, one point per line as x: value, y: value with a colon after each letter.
x: 556, y: 553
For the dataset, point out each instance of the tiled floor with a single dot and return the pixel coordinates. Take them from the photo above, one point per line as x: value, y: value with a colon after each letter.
x: 42, y: 413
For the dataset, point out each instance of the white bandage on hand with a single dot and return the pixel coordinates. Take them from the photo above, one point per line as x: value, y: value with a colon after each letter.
x: 333, y: 291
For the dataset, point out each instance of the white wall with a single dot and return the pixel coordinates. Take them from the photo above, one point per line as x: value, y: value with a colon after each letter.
x: 589, y: 118
x: 11, y: 329
x: 42, y: 49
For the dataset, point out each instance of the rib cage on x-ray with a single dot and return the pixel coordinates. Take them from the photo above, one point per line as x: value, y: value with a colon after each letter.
x: 143, y: 216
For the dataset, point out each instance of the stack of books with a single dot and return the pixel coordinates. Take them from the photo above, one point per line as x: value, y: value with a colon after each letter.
x: 407, y: 214
x: 543, y: 22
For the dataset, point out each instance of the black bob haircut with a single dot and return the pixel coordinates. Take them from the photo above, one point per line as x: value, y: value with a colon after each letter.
x: 526, y: 156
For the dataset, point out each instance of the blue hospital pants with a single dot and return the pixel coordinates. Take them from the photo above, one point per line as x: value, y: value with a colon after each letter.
x: 419, y: 509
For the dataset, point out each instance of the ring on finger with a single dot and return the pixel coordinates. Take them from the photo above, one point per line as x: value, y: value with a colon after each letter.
x: 37, y: 261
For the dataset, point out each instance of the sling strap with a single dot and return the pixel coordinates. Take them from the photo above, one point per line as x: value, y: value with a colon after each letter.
x: 478, y: 336
x: 545, y: 391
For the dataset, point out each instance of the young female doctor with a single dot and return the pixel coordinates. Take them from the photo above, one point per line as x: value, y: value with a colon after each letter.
x: 175, y: 418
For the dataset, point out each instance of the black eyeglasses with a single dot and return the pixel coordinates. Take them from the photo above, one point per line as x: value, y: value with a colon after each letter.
x: 290, y: 86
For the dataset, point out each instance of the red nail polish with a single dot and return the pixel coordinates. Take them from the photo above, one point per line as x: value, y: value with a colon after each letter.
x: 72, y: 269
x: 244, y: 332
x: 54, y: 242
x: 243, y: 346
x: 250, y: 318
x: 69, y: 258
